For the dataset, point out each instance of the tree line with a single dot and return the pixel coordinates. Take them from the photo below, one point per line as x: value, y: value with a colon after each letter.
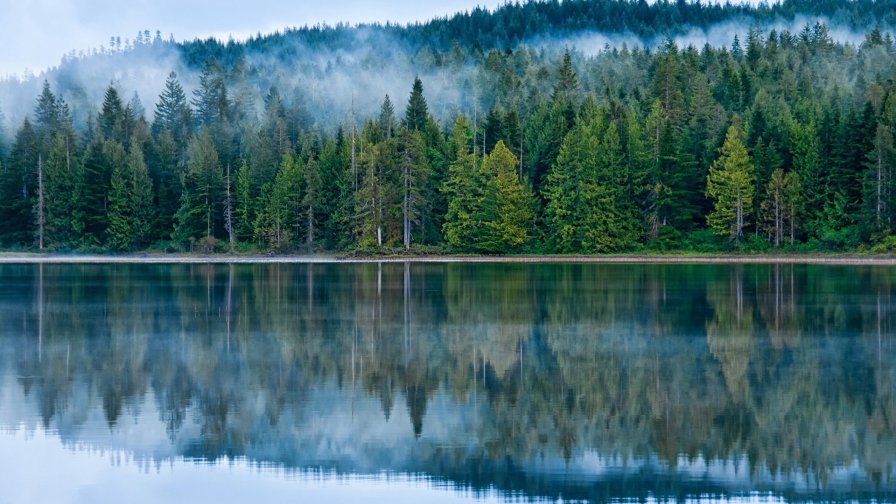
x: 785, y: 140
x: 515, y: 23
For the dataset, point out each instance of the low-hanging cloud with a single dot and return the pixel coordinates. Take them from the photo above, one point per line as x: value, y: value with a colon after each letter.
x: 592, y: 43
x: 354, y: 73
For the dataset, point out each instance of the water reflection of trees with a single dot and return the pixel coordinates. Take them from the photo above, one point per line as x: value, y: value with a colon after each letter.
x: 789, y: 366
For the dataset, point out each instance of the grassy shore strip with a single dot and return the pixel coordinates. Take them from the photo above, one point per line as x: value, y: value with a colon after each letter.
x: 832, y: 259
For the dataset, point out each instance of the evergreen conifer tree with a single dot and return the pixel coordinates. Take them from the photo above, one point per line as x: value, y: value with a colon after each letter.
x: 130, y: 203
x: 731, y: 184
x: 417, y: 113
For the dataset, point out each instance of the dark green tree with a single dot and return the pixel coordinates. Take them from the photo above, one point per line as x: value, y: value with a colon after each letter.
x: 62, y: 186
x: 415, y: 169
x: 199, y: 212
x: 130, y: 203
x: 417, y: 113
x: 173, y: 112
x: 18, y: 188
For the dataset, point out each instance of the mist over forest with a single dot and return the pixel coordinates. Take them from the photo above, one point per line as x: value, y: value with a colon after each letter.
x: 323, y: 67
x: 552, y: 127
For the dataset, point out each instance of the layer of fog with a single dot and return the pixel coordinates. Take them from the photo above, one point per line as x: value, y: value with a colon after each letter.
x: 327, y: 84
x: 353, y: 74
x: 722, y: 34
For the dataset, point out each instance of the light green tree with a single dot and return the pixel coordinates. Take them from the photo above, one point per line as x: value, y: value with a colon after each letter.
x: 730, y: 184
x: 461, y: 189
x: 505, y: 216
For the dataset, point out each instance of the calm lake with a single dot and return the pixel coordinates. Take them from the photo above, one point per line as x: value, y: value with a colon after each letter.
x: 433, y: 382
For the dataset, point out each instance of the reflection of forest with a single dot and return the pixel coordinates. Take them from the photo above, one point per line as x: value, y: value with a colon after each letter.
x: 790, y: 368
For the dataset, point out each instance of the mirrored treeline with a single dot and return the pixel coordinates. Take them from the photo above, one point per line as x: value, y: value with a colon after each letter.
x: 585, y: 381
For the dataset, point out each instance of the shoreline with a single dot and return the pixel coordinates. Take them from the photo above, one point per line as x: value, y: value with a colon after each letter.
x: 820, y: 259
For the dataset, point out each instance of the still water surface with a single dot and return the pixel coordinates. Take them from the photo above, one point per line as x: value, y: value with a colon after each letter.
x: 447, y: 383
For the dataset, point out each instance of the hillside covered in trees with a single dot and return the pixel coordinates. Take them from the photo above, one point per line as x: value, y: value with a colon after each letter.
x: 500, y: 144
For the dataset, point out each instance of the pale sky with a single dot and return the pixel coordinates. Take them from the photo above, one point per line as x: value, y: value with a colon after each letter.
x: 37, y: 33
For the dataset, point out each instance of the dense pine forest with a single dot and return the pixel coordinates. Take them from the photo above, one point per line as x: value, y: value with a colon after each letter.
x: 781, y: 139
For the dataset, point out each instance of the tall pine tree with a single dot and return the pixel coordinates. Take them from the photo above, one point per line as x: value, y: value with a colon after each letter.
x: 730, y: 184
x: 130, y: 203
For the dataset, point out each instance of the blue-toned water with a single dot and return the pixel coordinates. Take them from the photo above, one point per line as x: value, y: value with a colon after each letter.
x: 446, y: 383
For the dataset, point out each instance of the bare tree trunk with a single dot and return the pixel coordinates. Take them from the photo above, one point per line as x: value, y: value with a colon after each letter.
x: 521, y: 151
x: 379, y: 223
x: 475, y: 112
x: 406, y: 205
x: 880, y: 177
x: 484, y: 134
x: 41, y: 215
x: 739, y: 221
x: 778, y: 223
x: 354, y: 166
x: 228, y: 212
x: 792, y: 224
x: 208, y: 212
x: 655, y: 214
x: 309, y: 238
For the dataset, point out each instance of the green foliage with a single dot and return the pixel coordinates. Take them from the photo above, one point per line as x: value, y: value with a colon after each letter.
x: 806, y: 152
x: 703, y: 241
x: 781, y: 206
x: 730, y: 185
x: 130, y: 203
x: 62, y: 185
x: 565, y: 193
x: 166, y: 174
x: 417, y: 112
x: 244, y: 211
x: 667, y: 239
x: 588, y: 191
x: 97, y: 177
x: 312, y: 201
x: 114, y: 120
x: 503, y: 218
x: 567, y: 86
x: 173, y: 113
x: 618, y: 148
x: 462, y: 189
x: 415, y: 170
x: 886, y: 246
x: 370, y: 218
x: 879, y: 194
x: 278, y: 220
x: 18, y: 188
x: 199, y: 212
